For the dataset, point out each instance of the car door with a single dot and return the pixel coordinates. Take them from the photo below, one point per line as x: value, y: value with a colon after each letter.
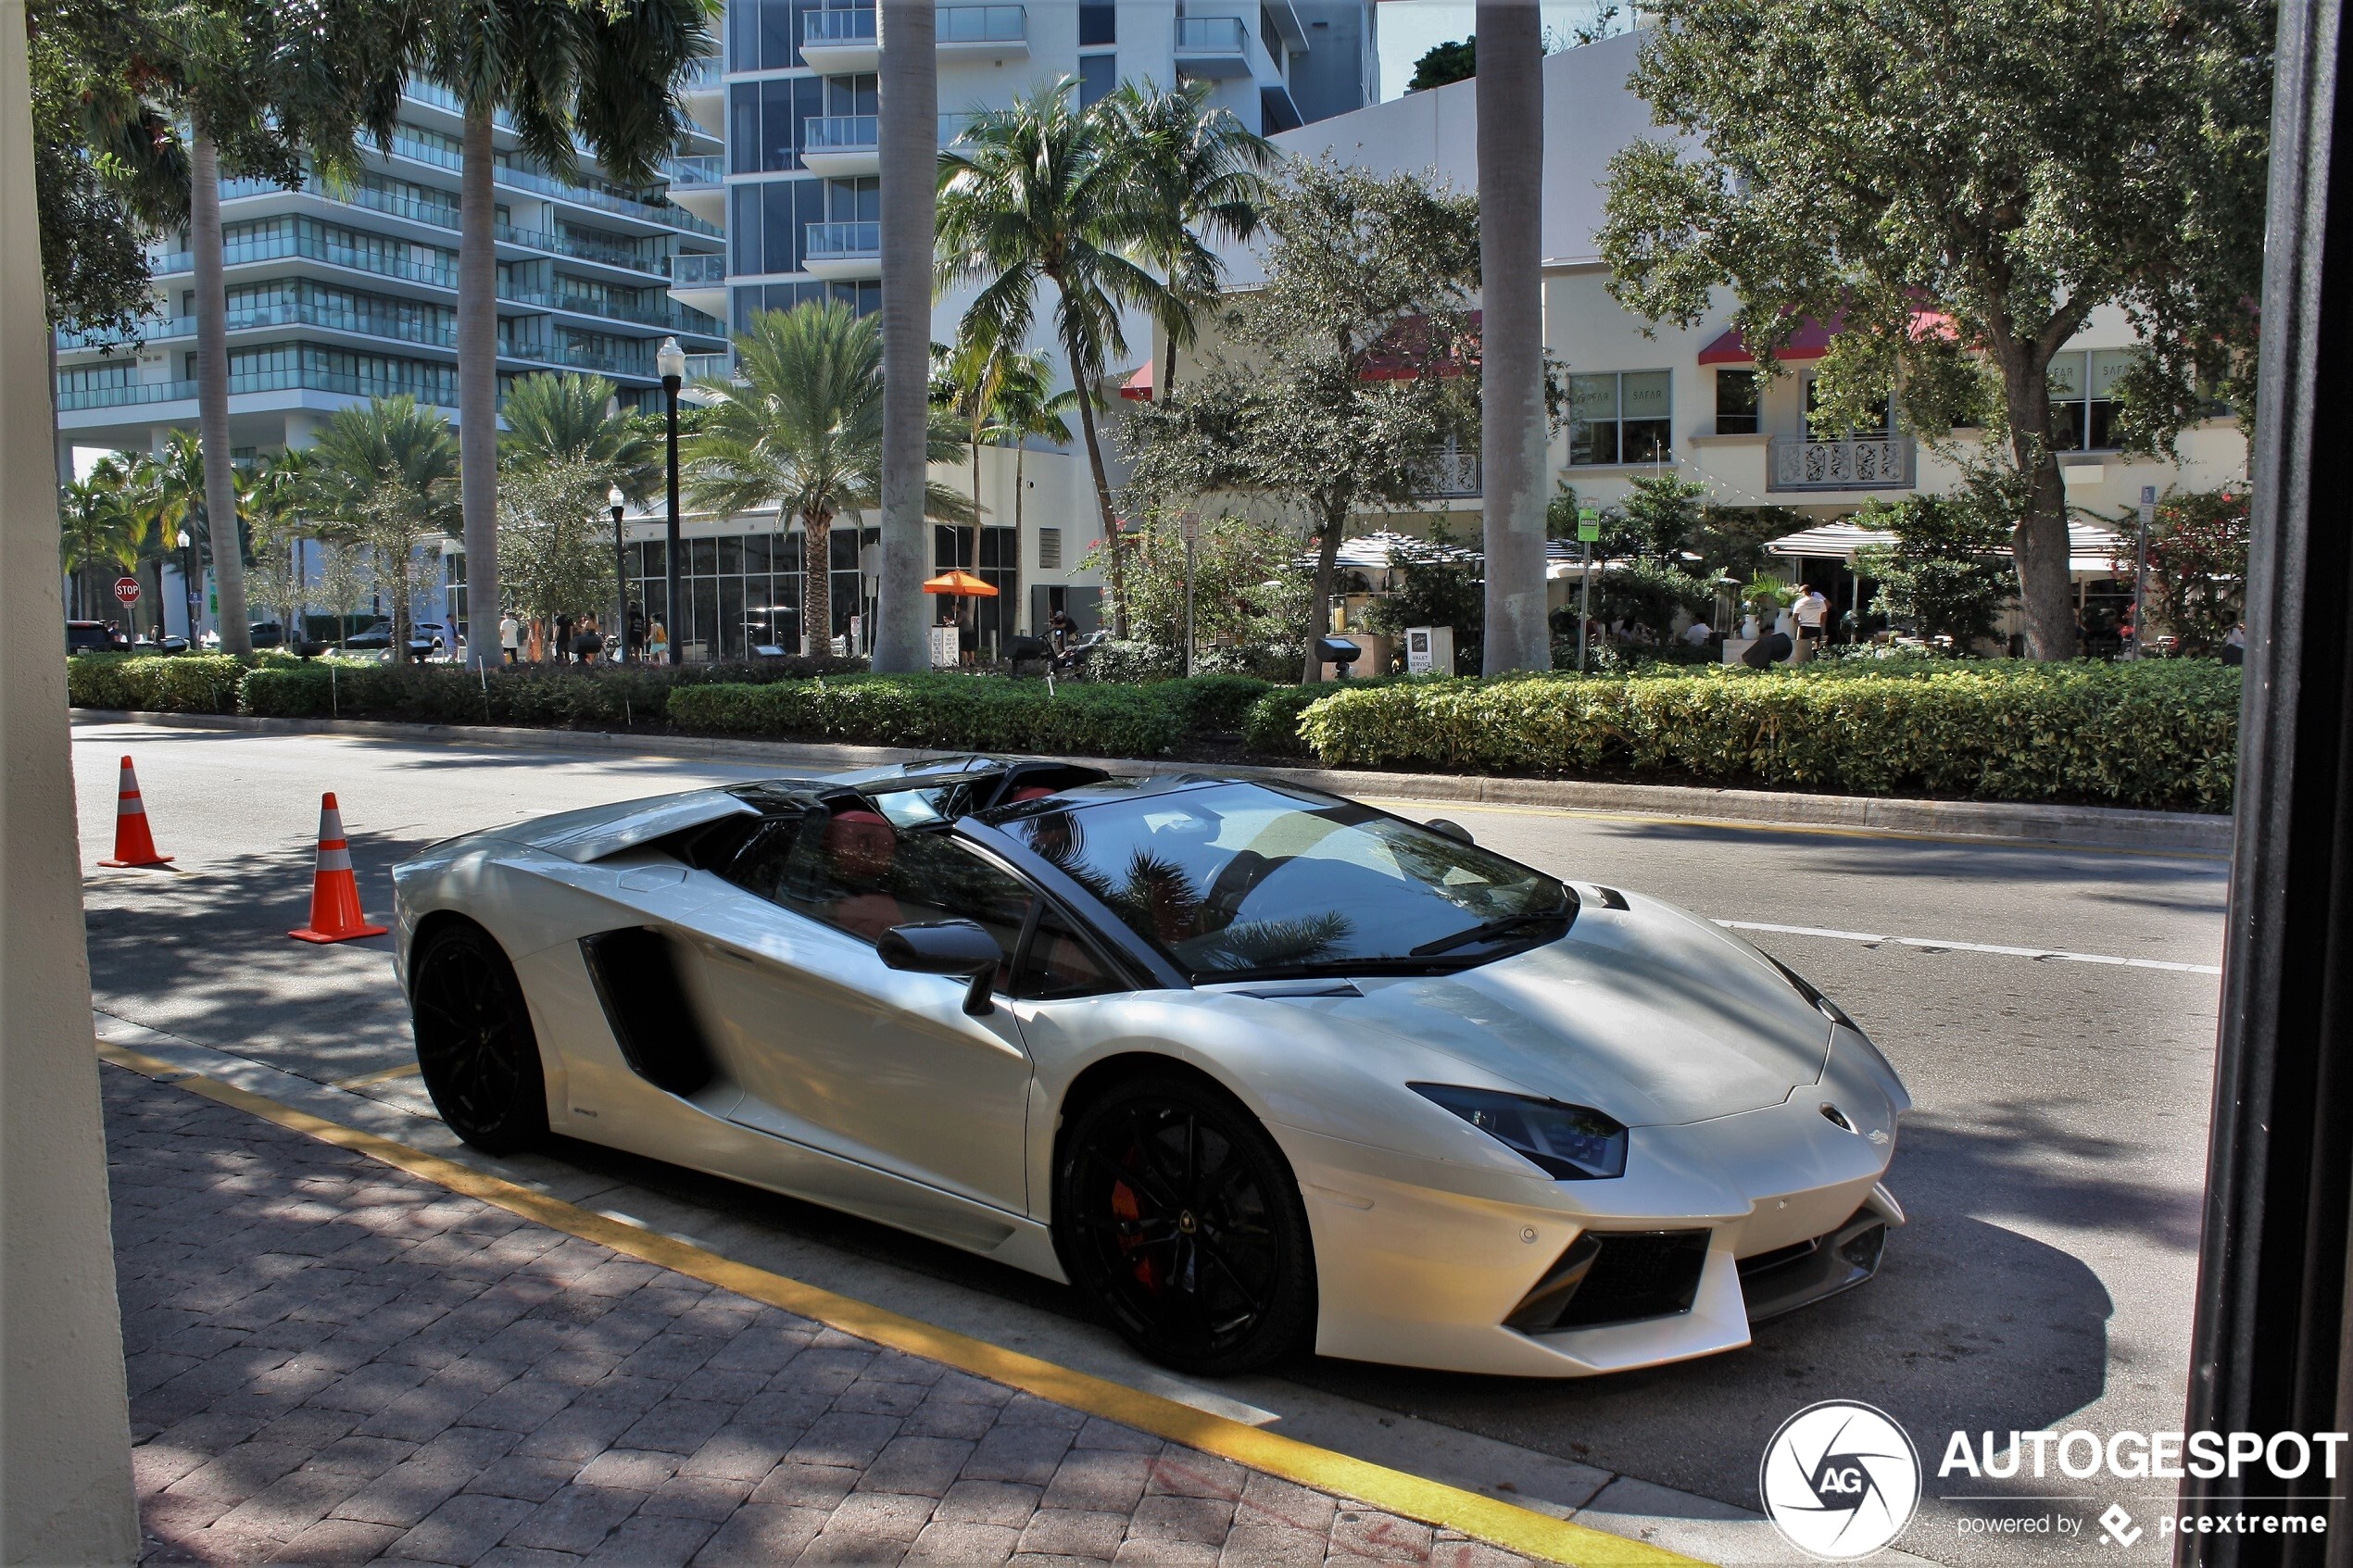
x: 836, y: 1049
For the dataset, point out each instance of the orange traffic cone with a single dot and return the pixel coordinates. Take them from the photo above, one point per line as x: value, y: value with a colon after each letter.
x: 334, y: 892
x: 133, y: 845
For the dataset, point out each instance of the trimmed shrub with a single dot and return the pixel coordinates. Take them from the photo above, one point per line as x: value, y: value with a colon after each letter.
x: 186, y: 683
x: 956, y: 712
x: 602, y: 697
x: 1134, y: 663
x: 1213, y: 704
x: 2157, y: 734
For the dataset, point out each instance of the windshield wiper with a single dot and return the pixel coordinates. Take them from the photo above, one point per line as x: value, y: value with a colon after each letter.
x: 1488, y: 930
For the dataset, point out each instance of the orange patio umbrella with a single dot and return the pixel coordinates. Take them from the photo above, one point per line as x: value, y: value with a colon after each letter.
x: 960, y: 584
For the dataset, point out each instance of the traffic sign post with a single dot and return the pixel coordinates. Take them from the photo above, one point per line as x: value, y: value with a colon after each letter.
x: 2141, y: 566
x: 1589, y: 529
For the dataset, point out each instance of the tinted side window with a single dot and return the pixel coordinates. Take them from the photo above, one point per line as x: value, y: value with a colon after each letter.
x: 854, y: 872
x: 1061, y: 964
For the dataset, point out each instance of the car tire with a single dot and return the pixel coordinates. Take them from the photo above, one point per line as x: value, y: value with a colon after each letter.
x: 1179, y: 1217
x: 475, y: 1046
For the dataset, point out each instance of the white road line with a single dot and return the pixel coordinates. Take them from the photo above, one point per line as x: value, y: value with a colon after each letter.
x: 1943, y: 944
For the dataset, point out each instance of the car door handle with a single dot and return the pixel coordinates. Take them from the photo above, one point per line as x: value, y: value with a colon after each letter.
x: 729, y: 955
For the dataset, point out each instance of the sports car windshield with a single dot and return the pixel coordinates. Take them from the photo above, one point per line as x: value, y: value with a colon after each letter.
x: 1237, y: 880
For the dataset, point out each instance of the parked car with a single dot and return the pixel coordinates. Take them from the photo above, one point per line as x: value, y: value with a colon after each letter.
x: 93, y: 636
x: 425, y: 640
x: 1254, y: 1067
x: 376, y: 637
x: 160, y: 645
x: 266, y: 634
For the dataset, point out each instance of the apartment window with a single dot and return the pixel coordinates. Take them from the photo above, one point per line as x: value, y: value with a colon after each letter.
x: 1624, y: 416
x: 853, y: 201
x: 768, y: 221
x: 1736, y: 403
x: 853, y: 94
x: 1097, y: 75
x: 764, y: 123
x: 1097, y: 24
x: 864, y: 295
x: 1049, y: 549
x: 2083, y: 397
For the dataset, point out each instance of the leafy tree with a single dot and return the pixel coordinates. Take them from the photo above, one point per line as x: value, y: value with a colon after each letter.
x: 571, y: 419
x: 1442, y: 63
x: 2196, y: 564
x: 2012, y: 164
x: 557, y: 540
x: 800, y: 429
x: 1089, y: 201
x: 382, y: 482
x: 1943, y: 575
x: 1660, y: 514
x: 100, y: 524
x: 1732, y: 539
x: 1647, y: 594
x: 1363, y: 275
x: 1249, y: 588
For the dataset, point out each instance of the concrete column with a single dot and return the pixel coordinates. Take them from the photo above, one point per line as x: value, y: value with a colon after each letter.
x: 65, y: 1446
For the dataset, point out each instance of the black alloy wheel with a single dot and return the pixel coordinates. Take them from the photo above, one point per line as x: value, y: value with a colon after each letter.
x: 474, y: 1042
x: 1179, y: 1216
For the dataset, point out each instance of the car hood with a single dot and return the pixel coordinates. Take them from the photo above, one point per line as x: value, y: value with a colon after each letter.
x: 1646, y: 1013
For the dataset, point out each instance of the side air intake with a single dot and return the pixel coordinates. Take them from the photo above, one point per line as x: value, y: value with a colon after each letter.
x: 635, y: 970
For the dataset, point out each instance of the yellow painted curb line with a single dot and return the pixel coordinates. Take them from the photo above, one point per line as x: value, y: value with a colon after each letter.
x: 386, y: 1076
x: 1432, y: 1502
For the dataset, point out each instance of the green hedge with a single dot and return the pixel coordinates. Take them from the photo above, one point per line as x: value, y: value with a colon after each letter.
x: 186, y: 683
x: 614, y: 696
x: 2157, y: 734
x: 958, y: 711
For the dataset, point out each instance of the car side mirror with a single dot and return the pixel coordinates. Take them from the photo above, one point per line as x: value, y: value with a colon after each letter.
x: 957, y: 949
x: 1445, y: 829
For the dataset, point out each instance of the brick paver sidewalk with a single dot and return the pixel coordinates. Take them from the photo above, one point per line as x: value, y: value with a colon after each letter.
x: 333, y: 1361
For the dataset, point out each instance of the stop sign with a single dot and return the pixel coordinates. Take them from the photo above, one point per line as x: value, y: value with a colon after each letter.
x: 127, y: 590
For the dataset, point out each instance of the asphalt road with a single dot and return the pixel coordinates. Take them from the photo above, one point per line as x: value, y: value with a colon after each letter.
x: 2051, y: 1169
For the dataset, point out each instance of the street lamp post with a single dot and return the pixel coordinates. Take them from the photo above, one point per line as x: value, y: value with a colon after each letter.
x: 188, y: 581
x: 616, y: 500
x: 672, y: 362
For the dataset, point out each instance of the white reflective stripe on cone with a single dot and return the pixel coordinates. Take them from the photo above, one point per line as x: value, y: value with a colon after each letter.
x: 330, y: 827
x: 130, y: 805
x: 336, y: 860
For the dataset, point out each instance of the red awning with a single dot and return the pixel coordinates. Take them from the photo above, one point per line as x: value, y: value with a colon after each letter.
x: 1139, y: 384
x: 1404, y: 350
x: 1812, y: 339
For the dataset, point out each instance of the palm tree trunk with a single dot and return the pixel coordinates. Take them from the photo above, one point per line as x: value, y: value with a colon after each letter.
x: 478, y: 383
x: 1511, y: 444
x: 816, y: 583
x: 212, y: 392
x: 1113, y: 544
x: 910, y: 137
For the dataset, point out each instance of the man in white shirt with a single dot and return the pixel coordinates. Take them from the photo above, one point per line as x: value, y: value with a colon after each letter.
x: 1697, y: 633
x: 511, y: 636
x: 1812, y: 612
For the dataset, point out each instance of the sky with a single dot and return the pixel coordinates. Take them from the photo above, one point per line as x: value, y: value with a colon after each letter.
x: 1408, y: 29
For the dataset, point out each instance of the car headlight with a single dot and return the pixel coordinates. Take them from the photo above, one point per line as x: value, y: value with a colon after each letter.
x: 1569, y: 1142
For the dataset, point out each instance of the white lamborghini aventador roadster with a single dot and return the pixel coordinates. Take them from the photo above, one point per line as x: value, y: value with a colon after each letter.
x: 1254, y: 1068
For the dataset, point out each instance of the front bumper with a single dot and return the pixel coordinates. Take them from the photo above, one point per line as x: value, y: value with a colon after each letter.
x: 1737, y: 1219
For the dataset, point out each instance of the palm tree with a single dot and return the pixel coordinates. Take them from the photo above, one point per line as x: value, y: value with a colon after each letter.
x: 574, y: 420
x: 279, y: 511
x: 1209, y: 169
x: 1029, y: 409
x: 171, y: 488
x: 1511, y: 444
x: 1046, y: 192
x: 384, y: 477
x: 800, y: 429
x: 604, y: 75
x: 910, y: 137
x: 101, y: 526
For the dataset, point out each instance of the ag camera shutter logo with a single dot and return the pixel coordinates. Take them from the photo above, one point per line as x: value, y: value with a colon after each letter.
x: 1840, y: 1480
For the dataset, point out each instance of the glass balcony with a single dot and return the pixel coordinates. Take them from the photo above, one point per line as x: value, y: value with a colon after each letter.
x: 705, y: 172
x: 1212, y: 47
x: 983, y: 25
x: 842, y: 132
x: 823, y: 28
x: 841, y: 241
x: 698, y: 271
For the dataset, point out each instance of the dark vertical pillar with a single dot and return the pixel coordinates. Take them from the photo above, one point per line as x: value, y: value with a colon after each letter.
x: 2269, y: 1348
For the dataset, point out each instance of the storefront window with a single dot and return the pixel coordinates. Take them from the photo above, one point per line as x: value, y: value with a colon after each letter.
x: 1621, y: 418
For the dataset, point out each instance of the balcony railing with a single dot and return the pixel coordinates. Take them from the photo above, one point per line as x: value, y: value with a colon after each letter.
x: 1211, y: 35
x: 709, y: 367
x: 841, y: 242
x: 703, y: 76
x: 590, y: 191
x: 837, y: 27
x: 703, y: 173
x: 983, y: 24
x: 1448, y: 475
x: 841, y: 134
x: 305, y: 378
x: 698, y: 271
x: 1862, y: 462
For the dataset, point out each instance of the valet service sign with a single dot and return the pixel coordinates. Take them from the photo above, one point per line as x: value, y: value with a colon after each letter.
x: 1840, y: 1480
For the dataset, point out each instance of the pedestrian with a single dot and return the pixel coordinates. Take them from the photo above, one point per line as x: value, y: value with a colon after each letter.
x: 1697, y: 633
x: 2234, y: 645
x: 657, y: 642
x: 563, y: 639
x: 510, y: 636
x: 1768, y: 650
x: 1812, y: 614
x: 1061, y: 630
x: 587, y: 643
x: 633, y: 633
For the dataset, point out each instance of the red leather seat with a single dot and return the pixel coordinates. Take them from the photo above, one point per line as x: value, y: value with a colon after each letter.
x: 1034, y: 791
x: 859, y: 848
